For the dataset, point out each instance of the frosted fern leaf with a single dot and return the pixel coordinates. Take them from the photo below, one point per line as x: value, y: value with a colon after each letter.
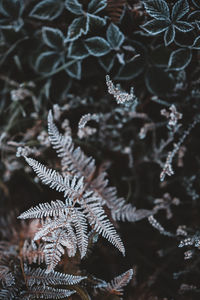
x: 39, y: 276
x: 73, y: 159
x: 55, y: 247
x: 56, y: 208
x: 117, y: 285
x: 80, y: 225
x: 102, y: 225
x: 71, y: 188
x: 119, y: 282
x: 46, y: 292
x: 64, y: 225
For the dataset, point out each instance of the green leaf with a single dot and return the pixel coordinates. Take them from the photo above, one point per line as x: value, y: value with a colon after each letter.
x: 77, y: 50
x: 158, y: 9
x: 95, y: 21
x: 155, y: 26
x: 196, y: 3
x: 107, y: 61
x: 16, y: 25
x: 74, y: 70
x: 114, y: 36
x: 97, y: 46
x: 74, y: 6
x: 179, y: 59
x: 53, y: 38
x: 194, y: 16
x: 78, y: 27
x: 158, y: 82
x: 183, y: 26
x: 169, y: 35
x: 196, y: 44
x: 96, y: 6
x: 47, y: 62
x: 180, y: 8
x: 47, y: 10
x: 131, y: 69
x: 12, y: 8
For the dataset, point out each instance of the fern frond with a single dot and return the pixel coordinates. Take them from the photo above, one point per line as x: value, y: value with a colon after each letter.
x: 46, y: 292
x: 8, y: 293
x: 6, y: 277
x: 99, y: 221
x: 122, y: 211
x: 49, y: 226
x: 54, y: 249
x: 80, y: 224
x: 55, y: 209
x: 71, y: 188
x: 73, y: 160
x: 32, y: 252
x: 39, y: 276
x: 117, y: 284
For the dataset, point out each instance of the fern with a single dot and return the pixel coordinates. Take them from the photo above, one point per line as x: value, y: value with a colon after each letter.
x: 39, y: 276
x: 45, y: 292
x: 73, y: 160
x: 102, y: 225
x: 119, y: 282
x: 55, y: 180
x: 64, y: 225
x: 55, y: 209
x: 54, y: 248
x: 80, y: 225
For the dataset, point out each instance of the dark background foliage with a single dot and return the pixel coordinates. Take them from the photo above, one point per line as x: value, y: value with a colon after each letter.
x: 58, y: 52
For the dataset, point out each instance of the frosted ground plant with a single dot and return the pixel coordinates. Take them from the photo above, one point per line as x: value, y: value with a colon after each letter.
x: 65, y: 223
x: 63, y: 228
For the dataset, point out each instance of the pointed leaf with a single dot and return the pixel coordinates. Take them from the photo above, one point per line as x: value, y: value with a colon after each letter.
x: 12, y: 8
x: 194, y: 16
x: 47, y: 10
x: 155, y: 26
x: 158, y: 9
x: 107, y: 61
x: 74, y: 70
x: 180, y: 59
x: 196, y: 3
x: 169, y: 35
x: 77, y: 50
x: 53, y: 38
x: 196, y: 44
x: 97, y: 46
x: 131, y: 69
x: 180, y: 8
x: 78, y: 27
x: 96, y: 6
x: 114, y: 36
x: 47, y: 62
x: 95, y: 21
x: 183, y: 26
x: 74, y: 6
